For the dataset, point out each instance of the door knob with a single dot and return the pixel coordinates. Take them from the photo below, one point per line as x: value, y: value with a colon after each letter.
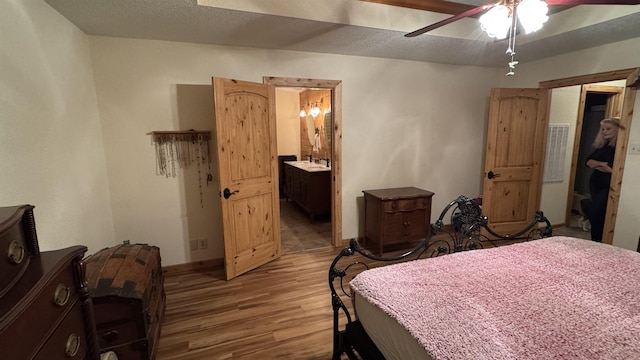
x: 227, y: 193
x: 491, y: 175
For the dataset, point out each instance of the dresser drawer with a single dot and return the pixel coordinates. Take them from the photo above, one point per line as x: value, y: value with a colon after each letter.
x: 43, y: 299
x: 47, y: 307
x: 406, y: 204
x: 69, y: 341
x: 16, y: 245
x: 399, y: 226
x: 15, y: 257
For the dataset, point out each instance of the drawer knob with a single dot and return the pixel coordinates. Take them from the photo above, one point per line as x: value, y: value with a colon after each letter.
x: 73, y: 345
x: 62, y: 294
x: 16, y: 252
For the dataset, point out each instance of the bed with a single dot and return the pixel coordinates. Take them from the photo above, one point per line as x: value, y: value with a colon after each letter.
x: 540, y: 298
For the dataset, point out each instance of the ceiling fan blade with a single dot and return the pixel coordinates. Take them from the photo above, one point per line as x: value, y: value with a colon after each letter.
x: 592, y: 2
x: 439, y: 6
x: 446, y: 21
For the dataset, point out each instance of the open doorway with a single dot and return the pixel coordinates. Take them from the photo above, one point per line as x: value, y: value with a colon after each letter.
x: 322, y: 135
x: 596, y: 103
x: 303, y: 118
x: 623, y: 105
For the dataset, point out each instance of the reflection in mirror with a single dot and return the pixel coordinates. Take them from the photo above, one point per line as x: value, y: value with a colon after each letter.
x: 327, y: 128
x: 311, y: 129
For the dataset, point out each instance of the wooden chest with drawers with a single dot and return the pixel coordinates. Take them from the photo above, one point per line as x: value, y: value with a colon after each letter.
x: 127, y: 288
x: 45, y: 308
x: 396, y: 216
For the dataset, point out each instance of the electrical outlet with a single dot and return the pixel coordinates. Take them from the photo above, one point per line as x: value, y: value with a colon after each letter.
x: 202, y: 243
x: 193, y: 243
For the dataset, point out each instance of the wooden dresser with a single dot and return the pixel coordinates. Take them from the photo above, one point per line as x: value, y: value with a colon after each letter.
x: 45, y: 308
x: 396, y: 216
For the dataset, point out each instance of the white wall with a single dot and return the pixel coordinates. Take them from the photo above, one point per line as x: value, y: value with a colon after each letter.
x: 563, y: 110
x: 405, y: 124
x: 51, y: 151
x: 615, y: 56
x: 288, y: 121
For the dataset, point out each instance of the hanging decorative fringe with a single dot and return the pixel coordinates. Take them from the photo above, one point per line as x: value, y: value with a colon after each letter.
x: 182, y: 148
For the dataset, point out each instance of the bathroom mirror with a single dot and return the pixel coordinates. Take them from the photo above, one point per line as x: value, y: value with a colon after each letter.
x: 311, y: 129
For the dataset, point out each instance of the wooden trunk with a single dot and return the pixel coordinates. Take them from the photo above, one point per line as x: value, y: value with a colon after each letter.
x: 126, y: 286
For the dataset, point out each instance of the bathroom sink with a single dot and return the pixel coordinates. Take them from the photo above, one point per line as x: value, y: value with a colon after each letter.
x: 308, y: 166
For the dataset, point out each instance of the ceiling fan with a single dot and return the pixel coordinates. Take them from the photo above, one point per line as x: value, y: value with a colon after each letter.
x: 511, y: 5
x: 499, y: 19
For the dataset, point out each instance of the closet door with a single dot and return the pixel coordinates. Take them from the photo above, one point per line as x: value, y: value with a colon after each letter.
x: 514, y: 159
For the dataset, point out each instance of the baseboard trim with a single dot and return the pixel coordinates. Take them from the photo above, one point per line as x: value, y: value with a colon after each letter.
x: 219, y: 263
x: 194, y: 266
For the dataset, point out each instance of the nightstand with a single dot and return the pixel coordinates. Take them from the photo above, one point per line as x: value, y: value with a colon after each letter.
x: 396, y: 216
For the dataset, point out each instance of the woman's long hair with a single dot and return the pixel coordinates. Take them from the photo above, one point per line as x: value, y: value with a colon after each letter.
x: 600, y: 141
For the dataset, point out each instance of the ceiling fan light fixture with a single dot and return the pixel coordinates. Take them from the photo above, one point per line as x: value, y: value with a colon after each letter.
x: 496, y: 22
x: 532, y: 14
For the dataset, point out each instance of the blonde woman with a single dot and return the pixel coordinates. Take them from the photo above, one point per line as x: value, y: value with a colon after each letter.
x: 601, y: 161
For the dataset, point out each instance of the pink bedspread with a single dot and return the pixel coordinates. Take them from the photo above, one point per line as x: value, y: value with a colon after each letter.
x: 556, y: 298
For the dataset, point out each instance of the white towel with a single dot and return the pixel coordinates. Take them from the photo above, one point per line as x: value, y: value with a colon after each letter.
x: 316, y: 143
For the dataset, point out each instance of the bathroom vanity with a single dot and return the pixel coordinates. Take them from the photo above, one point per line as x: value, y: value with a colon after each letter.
x: 308, y: 184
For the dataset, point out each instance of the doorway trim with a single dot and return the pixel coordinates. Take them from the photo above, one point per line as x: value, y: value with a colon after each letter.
x: 336, y: 142
x: 623, y: 136
x: 614, y: 106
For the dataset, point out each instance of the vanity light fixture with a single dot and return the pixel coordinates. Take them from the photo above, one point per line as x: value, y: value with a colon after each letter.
x: 303, y: 113
x: 315, y: 110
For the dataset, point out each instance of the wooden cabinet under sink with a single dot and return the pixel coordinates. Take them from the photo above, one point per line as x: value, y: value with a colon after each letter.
x: 311, y: 190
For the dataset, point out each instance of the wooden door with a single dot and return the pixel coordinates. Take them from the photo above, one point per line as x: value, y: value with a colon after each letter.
x: 247, y: 160
x: 514, y: 159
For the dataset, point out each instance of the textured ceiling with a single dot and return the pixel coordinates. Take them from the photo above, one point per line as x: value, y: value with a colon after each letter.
x: 348, y: 27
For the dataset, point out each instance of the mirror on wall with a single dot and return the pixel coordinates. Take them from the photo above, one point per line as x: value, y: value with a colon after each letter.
x: 327, y: 128
x: 311, y: 129
x: 315, y: 123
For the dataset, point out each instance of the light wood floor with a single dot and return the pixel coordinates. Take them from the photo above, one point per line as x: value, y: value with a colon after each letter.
x: 281, y: 310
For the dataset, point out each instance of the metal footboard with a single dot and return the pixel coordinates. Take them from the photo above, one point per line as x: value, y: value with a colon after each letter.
x: 464, y: 232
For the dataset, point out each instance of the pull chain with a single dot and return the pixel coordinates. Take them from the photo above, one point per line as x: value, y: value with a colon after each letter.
x: 511, y: 50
